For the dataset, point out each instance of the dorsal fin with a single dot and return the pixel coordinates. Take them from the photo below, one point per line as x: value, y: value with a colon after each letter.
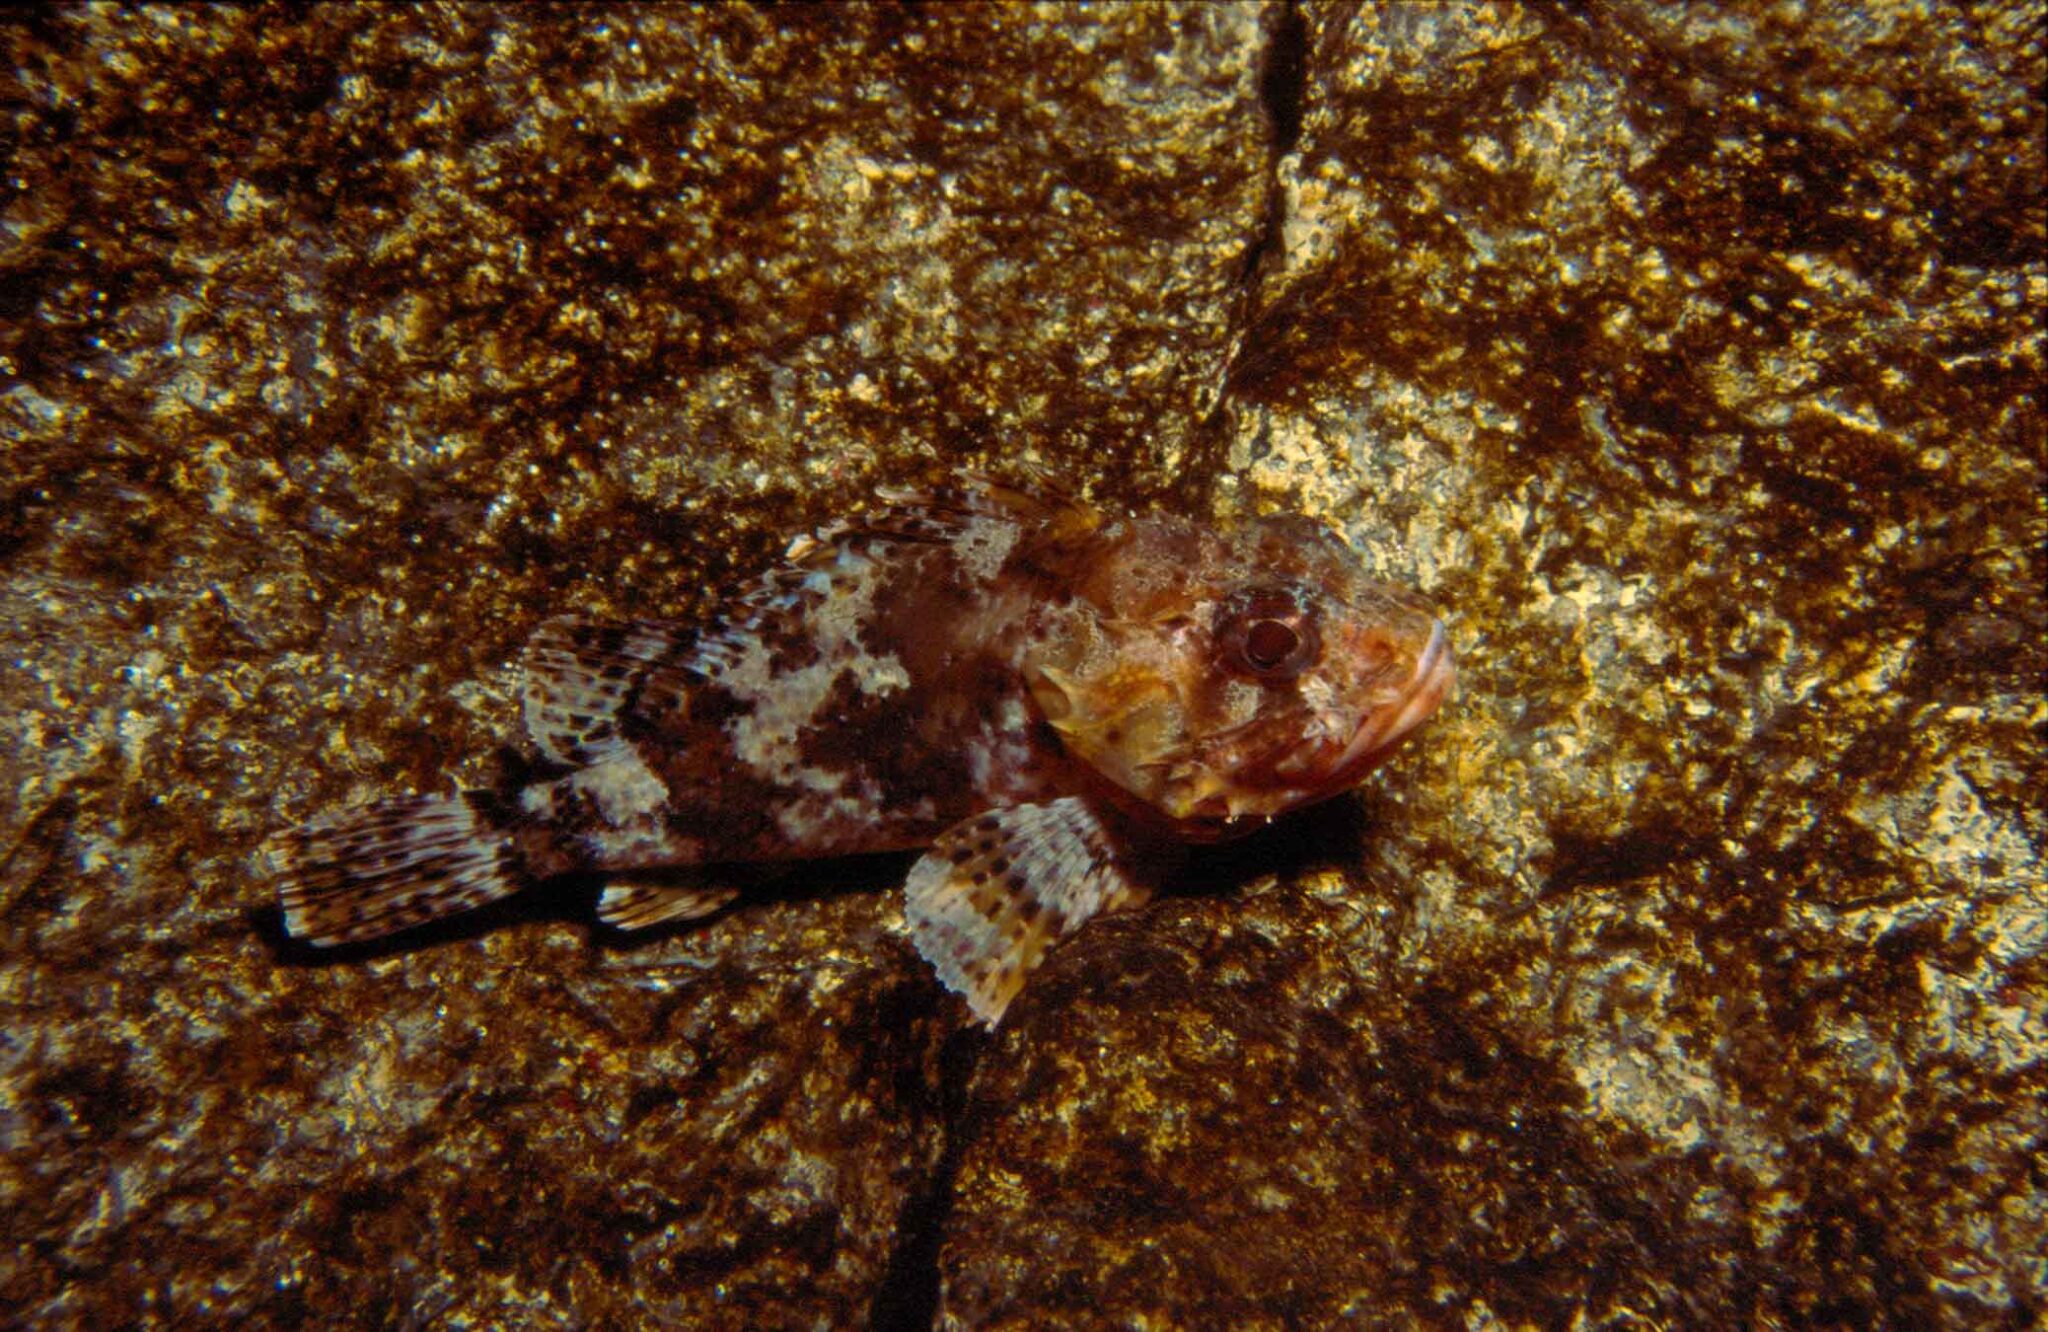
x: 581, y: 674
x: 942, y: 512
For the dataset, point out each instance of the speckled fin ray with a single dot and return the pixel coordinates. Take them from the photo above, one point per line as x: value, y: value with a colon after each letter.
x: 995, y: 892
x: 580, y: 675
x: 639, y: 904
x: 940, y: 514
x: 389, y: 866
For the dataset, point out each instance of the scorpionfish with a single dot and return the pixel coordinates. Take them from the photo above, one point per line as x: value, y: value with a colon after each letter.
x: 1041, y: 696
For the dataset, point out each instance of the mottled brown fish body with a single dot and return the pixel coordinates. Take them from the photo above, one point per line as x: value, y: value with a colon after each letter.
x: 1033, y: 690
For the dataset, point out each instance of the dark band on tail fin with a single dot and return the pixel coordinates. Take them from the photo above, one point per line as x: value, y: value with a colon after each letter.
x: 390, y: 866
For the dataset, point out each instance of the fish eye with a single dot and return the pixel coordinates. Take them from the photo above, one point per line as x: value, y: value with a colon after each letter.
x: 1269, y: 643
x: 1266, y: 634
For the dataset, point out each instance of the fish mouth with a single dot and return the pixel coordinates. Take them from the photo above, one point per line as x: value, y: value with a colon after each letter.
x: 1435, y: 671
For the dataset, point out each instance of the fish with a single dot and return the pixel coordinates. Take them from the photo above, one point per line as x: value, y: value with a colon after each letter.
x: 1045, y: 699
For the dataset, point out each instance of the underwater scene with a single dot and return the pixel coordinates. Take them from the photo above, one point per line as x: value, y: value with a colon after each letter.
x: 1024, y: 665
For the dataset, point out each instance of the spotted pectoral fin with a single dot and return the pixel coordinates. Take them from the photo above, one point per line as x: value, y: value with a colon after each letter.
x: 581, y: 675
x: 995, y: 892
x: 639, y: 904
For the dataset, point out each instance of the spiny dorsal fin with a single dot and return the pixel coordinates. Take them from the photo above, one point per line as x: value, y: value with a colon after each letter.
x: 996, y: 891
x: 580, y: 675
x: 934, y: 515
x: 940, y: 512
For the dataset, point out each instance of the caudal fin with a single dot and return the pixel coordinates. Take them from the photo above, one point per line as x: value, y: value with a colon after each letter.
x: 390, y: 866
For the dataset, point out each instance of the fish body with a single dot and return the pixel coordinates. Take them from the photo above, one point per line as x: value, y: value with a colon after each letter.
x: 1041, y: 696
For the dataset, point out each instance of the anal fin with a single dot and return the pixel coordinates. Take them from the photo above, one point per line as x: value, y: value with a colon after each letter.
x: 639, y: 904
x: 995, y: 892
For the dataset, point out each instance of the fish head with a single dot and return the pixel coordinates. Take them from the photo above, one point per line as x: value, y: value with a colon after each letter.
x: 1219, y: 679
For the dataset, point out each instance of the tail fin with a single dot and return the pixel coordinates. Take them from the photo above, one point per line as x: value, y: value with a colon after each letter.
x: 392, y: 865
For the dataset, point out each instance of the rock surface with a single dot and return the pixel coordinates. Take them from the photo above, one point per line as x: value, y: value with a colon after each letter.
x: 1689, y: 972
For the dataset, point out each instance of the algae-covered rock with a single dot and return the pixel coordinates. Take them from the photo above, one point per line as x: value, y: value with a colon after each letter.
x: 1687, y: 971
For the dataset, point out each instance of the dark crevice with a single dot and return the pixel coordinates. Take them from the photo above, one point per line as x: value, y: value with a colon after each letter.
x: 1285, y: 77
x: 1283, y: 84
x: 909, y: 1295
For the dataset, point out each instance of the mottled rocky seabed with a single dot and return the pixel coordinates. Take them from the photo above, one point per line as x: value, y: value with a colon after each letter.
x: 1690, y: 972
